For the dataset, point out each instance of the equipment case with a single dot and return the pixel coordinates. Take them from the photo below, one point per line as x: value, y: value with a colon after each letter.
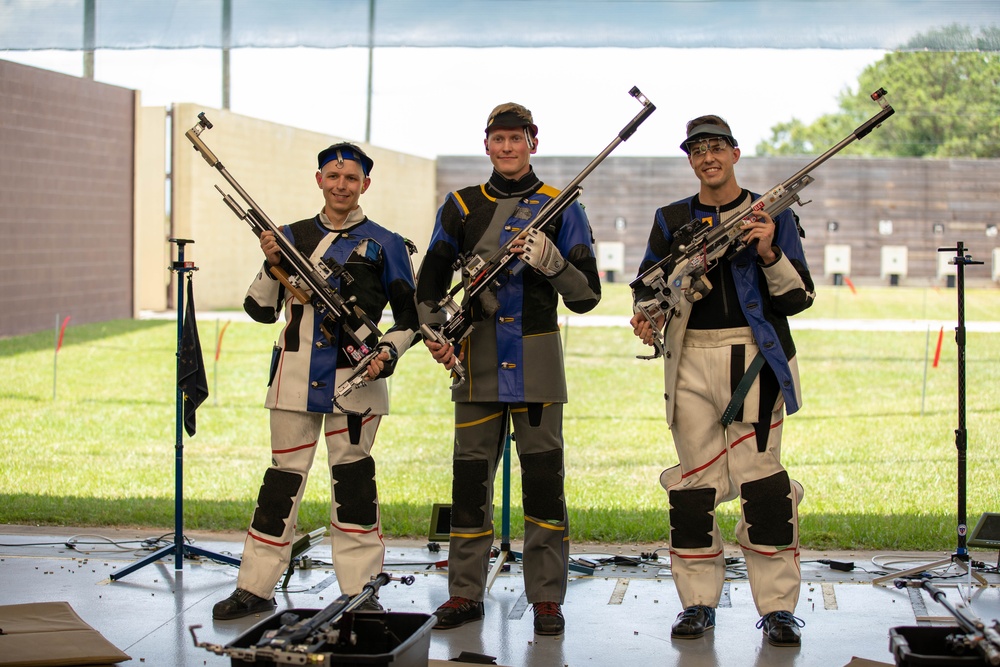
x: 392, y: 639
x: 925, y: 646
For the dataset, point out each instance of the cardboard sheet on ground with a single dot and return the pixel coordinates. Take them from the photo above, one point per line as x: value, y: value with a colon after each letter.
x: 48, y: 634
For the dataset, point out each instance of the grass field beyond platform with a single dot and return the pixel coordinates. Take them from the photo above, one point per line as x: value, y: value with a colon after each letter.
x: 874, y: 444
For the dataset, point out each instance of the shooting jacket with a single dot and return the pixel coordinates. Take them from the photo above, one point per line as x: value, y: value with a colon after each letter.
x: 306, y: 365
x: 767, y: 294
x: 514, y: 354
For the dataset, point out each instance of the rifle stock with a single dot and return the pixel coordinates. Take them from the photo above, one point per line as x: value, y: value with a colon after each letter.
x: 696, y: 247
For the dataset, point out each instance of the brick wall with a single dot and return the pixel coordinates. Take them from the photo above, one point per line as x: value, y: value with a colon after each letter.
x: 930, y: 203
x: 65, y: 199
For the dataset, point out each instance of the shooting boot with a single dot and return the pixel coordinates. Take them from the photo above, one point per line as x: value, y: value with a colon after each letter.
x: 548, y: 618
x: 781, y: 628
x: 241, y: 603
x: 693, y: 622
x: 458, y: 611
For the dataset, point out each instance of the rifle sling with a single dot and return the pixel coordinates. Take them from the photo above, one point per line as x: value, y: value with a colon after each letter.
x: 741, y: 390
x: 489, y: 239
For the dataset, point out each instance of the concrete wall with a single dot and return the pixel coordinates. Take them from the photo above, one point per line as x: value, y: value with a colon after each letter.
x: 276, y: 166
x: 66, y: 187
x: 89, y: 200
x: 930, y: 203
x: 152, y: 225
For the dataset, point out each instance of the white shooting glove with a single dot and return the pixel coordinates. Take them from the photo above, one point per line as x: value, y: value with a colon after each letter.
x: 541, y: 253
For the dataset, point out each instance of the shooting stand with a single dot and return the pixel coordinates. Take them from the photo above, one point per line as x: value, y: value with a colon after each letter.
x: 961, y: 556
x: 505, y: 555
x: 179, y: 548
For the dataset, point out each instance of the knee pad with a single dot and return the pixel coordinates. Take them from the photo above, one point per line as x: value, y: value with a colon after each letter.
x: 275, y: 500
x: 542, y: 485
x: 691, y: 519
x: 355, y: 492
x: 468, y: 493
x: 767, y: 510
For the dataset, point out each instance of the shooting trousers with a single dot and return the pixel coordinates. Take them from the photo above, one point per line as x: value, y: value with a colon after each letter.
x: 719, y: 463
x: 480, y: 436
x: 355, y: 526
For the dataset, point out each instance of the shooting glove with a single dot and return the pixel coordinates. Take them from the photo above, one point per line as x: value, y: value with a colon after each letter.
x: 542, y: 254
x: 389, y: 365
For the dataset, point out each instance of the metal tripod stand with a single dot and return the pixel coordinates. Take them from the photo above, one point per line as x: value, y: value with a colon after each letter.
x: 961, y: 556
x: 178, y: 548
x: 506, y: 555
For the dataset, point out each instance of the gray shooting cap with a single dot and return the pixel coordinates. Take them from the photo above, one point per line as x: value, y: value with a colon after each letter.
x: 707, y: 131
x: 511, y: 115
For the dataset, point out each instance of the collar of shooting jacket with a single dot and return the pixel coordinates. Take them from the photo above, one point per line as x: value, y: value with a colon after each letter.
x: 697, y: 204
x: 501, y: 187
x: 353, y: 218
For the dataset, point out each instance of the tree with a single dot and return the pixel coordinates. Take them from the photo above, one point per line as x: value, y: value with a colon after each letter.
x: 947, y: 104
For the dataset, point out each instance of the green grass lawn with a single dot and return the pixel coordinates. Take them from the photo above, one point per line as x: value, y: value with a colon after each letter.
x: 874, y: 444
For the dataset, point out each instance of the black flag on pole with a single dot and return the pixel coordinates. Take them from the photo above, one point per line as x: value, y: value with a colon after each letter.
x: 191, y: 377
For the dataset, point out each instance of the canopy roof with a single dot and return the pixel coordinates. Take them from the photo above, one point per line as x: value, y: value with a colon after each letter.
x: 783, y: 24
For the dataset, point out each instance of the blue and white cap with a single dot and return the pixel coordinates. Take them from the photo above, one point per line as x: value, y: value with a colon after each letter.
x: 345, y: 151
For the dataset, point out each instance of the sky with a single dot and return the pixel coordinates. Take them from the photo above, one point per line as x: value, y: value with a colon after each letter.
x: 434, y: 101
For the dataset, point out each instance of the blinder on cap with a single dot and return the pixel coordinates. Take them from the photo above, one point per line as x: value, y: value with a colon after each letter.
x: 345, y: 151
x: 706, y: 131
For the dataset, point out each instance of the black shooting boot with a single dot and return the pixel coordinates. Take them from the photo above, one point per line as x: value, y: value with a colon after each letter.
x: 781, y: 628
x: 456, y: 612
x: 241, y: 603
x: 548, y: 618
x: 693, y: 622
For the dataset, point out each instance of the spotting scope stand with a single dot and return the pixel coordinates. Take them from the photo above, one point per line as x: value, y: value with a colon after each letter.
x: 961, y: 556
x: 179, y: 548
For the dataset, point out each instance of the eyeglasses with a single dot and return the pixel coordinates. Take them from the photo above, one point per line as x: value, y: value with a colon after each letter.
x: 703, y: 146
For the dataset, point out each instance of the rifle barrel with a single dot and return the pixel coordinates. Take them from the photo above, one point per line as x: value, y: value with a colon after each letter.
x: 860, y: 132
